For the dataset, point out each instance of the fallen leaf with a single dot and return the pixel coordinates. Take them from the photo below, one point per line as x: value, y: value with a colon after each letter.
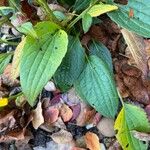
x: 7, y: 120
x: 29, y: 10
x: 66, y: 113
x: 62, y: 136
x: 38, y: 118
x: 12, y: 136
x: 3, y: 3
x: 137, y: 48
x: 23, y: 144
x: 92, y: 141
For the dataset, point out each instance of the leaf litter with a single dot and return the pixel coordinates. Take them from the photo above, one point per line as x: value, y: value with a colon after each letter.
x: 63, y: 118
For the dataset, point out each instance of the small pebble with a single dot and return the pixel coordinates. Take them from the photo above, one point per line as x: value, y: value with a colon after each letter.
x: 102, y: 146
x: 106, y: 127
x: 50, y: 86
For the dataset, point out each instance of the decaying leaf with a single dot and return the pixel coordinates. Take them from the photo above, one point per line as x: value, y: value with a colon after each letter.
x: 38, y: 118
x: 131, y: 118
x: 62, y: 136
x: 13, y: 136
x: 7, y: 120
x: 92, y: 141
x: 141, y: 135
x: 130, y: 83
x: 137, y: 48
x: 16, y: 60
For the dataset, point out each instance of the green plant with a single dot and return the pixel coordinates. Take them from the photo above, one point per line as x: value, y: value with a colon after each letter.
x: 51, y: 49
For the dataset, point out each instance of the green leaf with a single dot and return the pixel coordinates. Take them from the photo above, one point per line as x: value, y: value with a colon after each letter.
x: 71, y: 66
x: 27, y: 29
x: 15, y: 69
x: 100, y: 9
x: 140, y: 22
x: 5, y: 10
x: 15, y: 4
x: 100, y: 50
x: 4, y: 60
x: 59, y: 15
x: 81, y: 4
x: 131, y: 118
x: 96, y: 86
x: 41, y: 58
x: 86, y: 22
x: 68, y: 2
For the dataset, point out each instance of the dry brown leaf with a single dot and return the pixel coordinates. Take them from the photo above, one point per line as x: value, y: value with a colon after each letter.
x: 66, y: 113
x: 23, y: 144
x: 7, y: 120
x: 137, y: 48
x: 16, y: 60
x: 62, y: 136
x: 14, y: 135
x: 38, y: 118
x: 92, y: 141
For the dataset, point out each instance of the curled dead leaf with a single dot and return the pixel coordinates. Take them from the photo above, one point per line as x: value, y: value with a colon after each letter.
x: 137, y: 49
x: 38, y: 118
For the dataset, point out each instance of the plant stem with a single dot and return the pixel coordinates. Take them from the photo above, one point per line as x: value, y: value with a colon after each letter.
x: 8, y: 42
x: 80, y: 16
x: 77, y: 19
x: 121, y: 100
x: 15, y: 96
x: 48, y: 11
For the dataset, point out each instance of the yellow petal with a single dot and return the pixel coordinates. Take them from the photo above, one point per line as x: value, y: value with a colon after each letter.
x: 3, y: 102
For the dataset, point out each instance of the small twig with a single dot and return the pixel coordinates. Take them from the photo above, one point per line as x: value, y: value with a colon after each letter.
x: 15, y: 96
x: 8, y: 42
